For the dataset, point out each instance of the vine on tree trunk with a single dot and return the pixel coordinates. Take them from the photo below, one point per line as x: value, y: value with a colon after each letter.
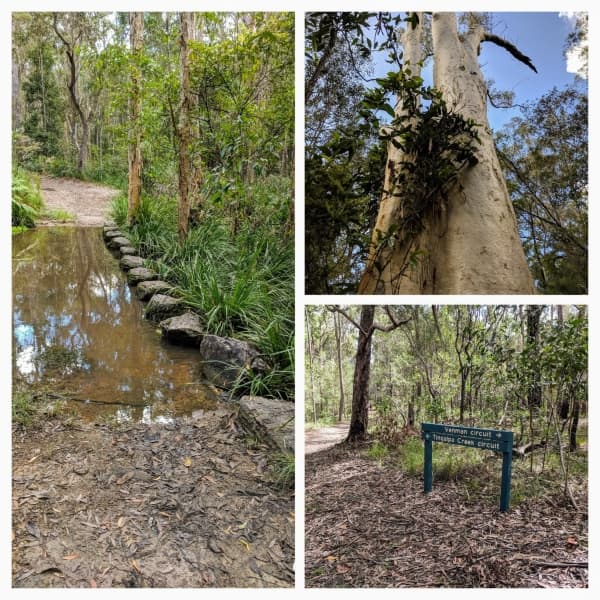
x: 436, y: 145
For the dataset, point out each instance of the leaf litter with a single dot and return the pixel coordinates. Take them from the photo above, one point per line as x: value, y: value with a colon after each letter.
x: 185, y: 504
x: 370, y: 525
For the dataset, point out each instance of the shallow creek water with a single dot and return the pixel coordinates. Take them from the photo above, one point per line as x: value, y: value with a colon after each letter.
x: 78, y: 328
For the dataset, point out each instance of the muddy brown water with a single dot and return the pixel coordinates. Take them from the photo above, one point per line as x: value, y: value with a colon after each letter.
x: 78, y: 327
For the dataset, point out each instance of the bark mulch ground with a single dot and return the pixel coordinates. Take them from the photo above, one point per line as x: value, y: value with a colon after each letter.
x: 370, y: 525
x: 189, y: 504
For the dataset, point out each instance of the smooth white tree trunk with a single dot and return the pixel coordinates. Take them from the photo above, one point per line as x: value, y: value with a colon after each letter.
x: 381, y: 264
x: 472, y: 245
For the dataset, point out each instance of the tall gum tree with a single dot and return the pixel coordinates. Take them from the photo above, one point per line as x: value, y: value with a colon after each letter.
x: 186, y: 21
x: 472, y: 244
x: 136, y: 23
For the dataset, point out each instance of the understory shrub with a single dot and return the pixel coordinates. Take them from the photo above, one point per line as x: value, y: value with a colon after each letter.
x: 26, y: 198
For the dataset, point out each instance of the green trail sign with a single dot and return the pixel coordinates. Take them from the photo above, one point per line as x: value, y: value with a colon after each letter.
x: 485, y: 439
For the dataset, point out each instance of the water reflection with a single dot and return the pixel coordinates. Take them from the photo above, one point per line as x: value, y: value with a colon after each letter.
x: 77, y: 325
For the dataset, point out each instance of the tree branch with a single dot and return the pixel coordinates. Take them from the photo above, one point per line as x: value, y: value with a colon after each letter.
x: 510, y: 48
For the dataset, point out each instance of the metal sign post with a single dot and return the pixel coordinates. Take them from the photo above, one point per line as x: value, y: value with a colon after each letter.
x: 474, y: 437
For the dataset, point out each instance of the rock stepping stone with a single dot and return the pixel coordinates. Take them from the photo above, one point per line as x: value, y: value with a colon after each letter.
x: 270, y: 419
x: 131, y: 262
x: 185, y: 329
x: 139, y: 274
x: 226, y: 360
x: 162, y: 307
x: 147, y: 289
x: 113, y: 233
x: 127, y: 250
x: 116, y: 242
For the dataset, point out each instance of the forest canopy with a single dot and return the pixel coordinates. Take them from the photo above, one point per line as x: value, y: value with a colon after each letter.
x: 514, y: 367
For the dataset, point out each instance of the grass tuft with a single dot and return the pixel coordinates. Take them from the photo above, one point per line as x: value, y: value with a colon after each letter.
x: 241, y: 283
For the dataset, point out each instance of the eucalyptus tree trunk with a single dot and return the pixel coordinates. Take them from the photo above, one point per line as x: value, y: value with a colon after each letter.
x: 185, y: 161
x: 390, y: 208
x: 472, y: 245
x: 134, y: 193
x: 338, y: 343
x: 362, y: 370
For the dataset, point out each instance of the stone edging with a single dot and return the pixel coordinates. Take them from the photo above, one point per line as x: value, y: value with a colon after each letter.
x: 225, y: 359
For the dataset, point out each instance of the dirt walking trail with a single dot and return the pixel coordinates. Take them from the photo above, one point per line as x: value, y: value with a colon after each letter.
x: 321, y: 438
x: 88, y: 203
x: 194, y: 502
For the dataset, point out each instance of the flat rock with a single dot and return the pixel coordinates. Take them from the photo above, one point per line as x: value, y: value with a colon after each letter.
x: 109, y: 225
x: 113, y: 233
x: 162, y: 307
x: 271, y: 420
x: 227, y: 360
x: 127, y: 250
x: 185, y: 329
x: 116, y: 242
x: 131, y: 262
x: 139, y: 274
x: 147, y: 289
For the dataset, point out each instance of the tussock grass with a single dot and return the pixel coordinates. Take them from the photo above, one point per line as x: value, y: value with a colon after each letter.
x: 241, y: 284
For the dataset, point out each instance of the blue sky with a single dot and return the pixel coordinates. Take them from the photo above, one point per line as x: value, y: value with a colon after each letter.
x: 541, y: 36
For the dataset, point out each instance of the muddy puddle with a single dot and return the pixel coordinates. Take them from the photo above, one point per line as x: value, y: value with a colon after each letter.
x: 79, y: 330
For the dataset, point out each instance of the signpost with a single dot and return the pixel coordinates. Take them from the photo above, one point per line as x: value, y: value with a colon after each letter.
x: 485, y: 439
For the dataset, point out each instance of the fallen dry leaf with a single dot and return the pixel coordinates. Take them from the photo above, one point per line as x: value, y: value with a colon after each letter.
x: 187, y: 461
x: 244, y: 543
x: 70, y: 556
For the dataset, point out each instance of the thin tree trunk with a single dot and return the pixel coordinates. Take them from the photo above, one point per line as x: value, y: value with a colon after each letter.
x: 70, y: 52
x: 185, y: 162
x: 309, y: 342
x: 134, y: 194
x: 362, y: 370
x: 338, y: 341
x: 16, y: 83
x: 574, y: 423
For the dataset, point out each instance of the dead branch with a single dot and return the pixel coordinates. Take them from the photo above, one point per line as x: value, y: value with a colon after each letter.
x: 510, y: 48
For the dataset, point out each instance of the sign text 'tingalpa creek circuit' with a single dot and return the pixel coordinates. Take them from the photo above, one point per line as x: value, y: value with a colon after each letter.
x: 474, y: 437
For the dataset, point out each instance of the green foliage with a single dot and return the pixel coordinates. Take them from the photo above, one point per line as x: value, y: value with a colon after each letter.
x: 59, y: 215
x: 23, y: 408
x: 45, y: 106
x: 378, y: 451
x: 118, y: 209
x: 242, y: 76
x: 544, y: 154
x: 241, y: 284
x: 26, y: 198
x: 411, y: 456
x: 436, y: 144
x: 284, y: 469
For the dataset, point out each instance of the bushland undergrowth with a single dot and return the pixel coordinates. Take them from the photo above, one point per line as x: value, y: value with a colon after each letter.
x: 235, y: 269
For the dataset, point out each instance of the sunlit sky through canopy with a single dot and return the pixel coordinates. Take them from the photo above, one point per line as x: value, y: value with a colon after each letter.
x: 541, y: 37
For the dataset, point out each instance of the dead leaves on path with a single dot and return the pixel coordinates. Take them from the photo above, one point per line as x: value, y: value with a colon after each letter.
x: 369, y: 525
x: 184, y: 505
